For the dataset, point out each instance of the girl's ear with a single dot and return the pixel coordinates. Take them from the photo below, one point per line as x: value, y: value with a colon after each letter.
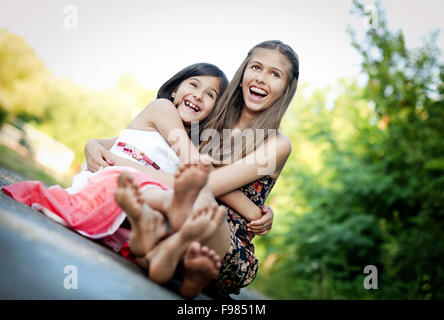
x: 173, y: 95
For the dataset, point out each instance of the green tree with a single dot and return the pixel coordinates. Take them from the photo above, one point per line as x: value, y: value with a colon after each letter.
x: 25, y: 82
x: 372, y: 192
x: 406, y: 87
x: 69, y: 113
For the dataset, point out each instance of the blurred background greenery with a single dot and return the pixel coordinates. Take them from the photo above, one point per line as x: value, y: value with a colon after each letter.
x: 364, y: 184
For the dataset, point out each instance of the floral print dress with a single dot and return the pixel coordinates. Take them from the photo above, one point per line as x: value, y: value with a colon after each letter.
x: 239, y: 266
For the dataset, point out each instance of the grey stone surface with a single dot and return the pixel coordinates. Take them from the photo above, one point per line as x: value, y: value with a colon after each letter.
x: 35, y: 251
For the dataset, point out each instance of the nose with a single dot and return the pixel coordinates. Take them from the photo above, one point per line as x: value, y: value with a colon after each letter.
x: 260, y: 78
x: 198, y: 94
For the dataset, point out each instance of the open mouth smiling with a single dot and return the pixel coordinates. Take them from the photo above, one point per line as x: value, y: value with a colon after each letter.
x: 192, y: 106
x: 258, y: 93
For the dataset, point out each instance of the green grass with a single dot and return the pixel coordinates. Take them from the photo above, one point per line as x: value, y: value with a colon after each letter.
x: 13, y: 161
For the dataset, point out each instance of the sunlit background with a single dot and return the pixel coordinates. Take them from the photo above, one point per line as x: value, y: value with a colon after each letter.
x: 151, y: 40
x: 362, y: 183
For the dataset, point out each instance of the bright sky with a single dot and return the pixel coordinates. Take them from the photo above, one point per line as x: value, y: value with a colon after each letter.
x: 152, y: 40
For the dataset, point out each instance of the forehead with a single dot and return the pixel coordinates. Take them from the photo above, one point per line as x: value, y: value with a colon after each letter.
x: 271, y: 58
x: 207, y: 81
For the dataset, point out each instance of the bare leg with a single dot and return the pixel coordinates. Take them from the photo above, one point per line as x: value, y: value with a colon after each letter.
x: 205, y: 198
x: 201, y: 265
x: 147, y: 225
x: 199, y: 226
x: 220, y: 241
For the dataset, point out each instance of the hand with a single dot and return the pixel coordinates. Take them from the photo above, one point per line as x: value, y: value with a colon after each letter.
x: 207, y: 161
x: 263, y: 225
x: 97, y: 156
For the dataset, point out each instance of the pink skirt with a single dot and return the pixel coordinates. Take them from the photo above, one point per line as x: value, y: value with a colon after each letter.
x: 88, y: 206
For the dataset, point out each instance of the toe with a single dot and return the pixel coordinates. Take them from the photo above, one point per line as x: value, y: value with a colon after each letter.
x: 213, y: 210
x: 193, y: 249
x: 211, y: 253
x: 204, y: 250
x: 125, y: 178
x: 201, y: 211
x: 220, y: 213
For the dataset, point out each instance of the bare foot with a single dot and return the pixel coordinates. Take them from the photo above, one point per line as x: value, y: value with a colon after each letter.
x: 201, y: 265
x: 199, y: 226
x: 147, y: 225
x: 188, y: 182
x: 202, y: 224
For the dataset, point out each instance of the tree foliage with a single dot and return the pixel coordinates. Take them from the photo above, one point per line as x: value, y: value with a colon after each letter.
x: 25, y: 82
x: 71, y: 114
x: 372, y: 192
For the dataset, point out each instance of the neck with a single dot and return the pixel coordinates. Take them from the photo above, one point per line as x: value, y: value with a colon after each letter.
x: 245, y: 119
x: 187, y: 128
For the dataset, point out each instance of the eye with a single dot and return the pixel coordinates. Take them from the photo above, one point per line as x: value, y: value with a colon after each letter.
x: 255, y: 67
x: 193, y: 84
x: 275, y: 74
x: 211, y: 95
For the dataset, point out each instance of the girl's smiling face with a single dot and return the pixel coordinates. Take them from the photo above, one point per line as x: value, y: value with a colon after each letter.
x: 265, y: 79
x: 196, y: 97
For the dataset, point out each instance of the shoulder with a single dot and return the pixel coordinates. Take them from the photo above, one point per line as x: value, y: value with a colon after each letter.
x: 282, y: 144
x: 154, y: 112
x: 162, y: 103
x: 283, y: 149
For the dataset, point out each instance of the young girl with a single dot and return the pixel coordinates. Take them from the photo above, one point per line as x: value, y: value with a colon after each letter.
x: 256, y: 98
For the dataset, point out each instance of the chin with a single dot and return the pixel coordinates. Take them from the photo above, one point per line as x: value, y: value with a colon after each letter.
x: 255, y: 107
x: 186, y: 120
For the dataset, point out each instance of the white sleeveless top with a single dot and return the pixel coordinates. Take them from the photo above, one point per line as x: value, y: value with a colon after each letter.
x: 151, y: 143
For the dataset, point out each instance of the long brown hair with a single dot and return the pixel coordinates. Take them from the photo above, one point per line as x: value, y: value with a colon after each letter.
x: 229, y: 107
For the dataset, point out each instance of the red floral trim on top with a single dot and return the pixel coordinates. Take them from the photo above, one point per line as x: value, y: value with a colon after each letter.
x: 137, y: 154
